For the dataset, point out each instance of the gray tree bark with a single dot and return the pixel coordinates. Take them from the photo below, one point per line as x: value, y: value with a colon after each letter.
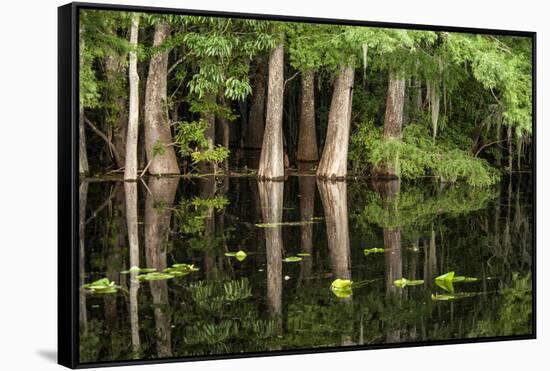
x: 307, y: 140
x: 256, y: 119
x: 333, y: 164
x: 272, y: 155
x: 83, y: 167
x: 157, y: 127
x: 131, y: 163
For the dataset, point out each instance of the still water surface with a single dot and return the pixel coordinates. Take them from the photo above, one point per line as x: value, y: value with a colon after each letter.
x: 265, y: 302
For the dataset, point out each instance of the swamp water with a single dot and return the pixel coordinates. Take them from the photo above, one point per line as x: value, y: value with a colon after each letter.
x: 237, y: 265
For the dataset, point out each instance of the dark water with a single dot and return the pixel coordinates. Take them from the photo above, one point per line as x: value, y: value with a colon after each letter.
x: 265, y: 304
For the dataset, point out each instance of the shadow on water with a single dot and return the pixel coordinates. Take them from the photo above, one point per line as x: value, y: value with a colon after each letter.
x: 297, y: 237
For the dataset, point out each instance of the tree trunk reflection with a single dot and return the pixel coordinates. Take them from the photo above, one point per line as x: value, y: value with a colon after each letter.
x: 158, y: 204
x: 131, y: 196
x: 82, y: 200
x: 271, y: 199
x: 306, y: 186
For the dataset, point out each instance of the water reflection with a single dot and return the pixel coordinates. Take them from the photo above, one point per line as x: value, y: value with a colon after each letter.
x: 262, y: 303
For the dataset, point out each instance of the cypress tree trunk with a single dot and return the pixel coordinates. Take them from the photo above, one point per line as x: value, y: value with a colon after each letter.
x: 157, y: 128
x: 256, y: 119
x: 393, y: 120
x: 272, y: 157
x: 117, y: 117
x: 131, y: 163
x: 333, y: 164
x: 307, y: 141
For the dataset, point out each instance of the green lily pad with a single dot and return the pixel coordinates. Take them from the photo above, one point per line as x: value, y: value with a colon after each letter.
x: 155, y: 276
x: 303, y: 254
x: 101, y: 286
x: 403, y: 282
x: 292, y: 259
x: 180, y: 269
x: 448, y: 297
x: 341, y: 288
x: 138, y: 270
x: 449, y: 276
x: 446, y: 285
x: 374, y: 250
x: 239, y: 255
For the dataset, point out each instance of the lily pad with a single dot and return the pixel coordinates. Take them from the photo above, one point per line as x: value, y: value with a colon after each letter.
x: 448, y: 297
x: 292, y: 259
x: 239, y: 255
x: 303, y: 254
x: 374, y: 250
x: 138, y: 270
x: 341, y: 288
x: 403, y: 282
x: 180, y: 269
x: 446, y: 285
x: 101, y: 286
x: 446, y: 277
x: 155, y: 276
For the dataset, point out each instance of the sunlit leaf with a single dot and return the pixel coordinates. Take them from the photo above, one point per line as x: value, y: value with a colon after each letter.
x: 373, y: 251
x: 402, y: 282
x: 292, y: 259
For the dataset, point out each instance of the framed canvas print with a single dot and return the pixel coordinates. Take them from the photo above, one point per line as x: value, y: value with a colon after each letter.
x: 237, y: 185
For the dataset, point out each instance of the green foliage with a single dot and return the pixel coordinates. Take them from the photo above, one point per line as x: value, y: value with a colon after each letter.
x: 403, y: 282
x: 191, y: 141
x: 417, y: 155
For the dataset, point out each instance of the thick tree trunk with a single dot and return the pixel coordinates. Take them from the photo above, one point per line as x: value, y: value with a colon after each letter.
x: 272, y: 156
x: 131, y: 165
x: 256, y: 119
x: 333, y: 164
x: 271, y: 198
x: 157, y: 226
x: 157, y: 127
x: 393, y: 121
x: 307, y: 140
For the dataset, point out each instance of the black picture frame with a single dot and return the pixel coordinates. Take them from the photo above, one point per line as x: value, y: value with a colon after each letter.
x: 68, y: 180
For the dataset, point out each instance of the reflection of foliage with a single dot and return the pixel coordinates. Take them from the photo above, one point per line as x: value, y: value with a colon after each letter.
x: 417, y: 206
x: 514, y: 315
x: 90, y: 344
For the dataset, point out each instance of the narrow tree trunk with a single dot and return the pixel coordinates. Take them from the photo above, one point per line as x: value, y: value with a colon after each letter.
x: 82, y: 153
x: 306, y: 185
x: 333, y: 164
x: 131, y: 165
x: 393, y: 121
x: 82, y: 199
x: 272, y: 157
x: 117, y: 117
x: 307, y: 140
x: 157, y: 127
x: 131, y: 197
x: 256, y: 120
x: 434, y: 104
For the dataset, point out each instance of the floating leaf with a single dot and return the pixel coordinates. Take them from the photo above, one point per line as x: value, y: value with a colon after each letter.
x: 239, y: 255
x: 402, y: 282
x: 446, y: 285
x: 470, y: 279
x: 373, y: 251
x: 155, y: 276
x: 303, y: 254
x: 447, y: 297
x: 180, y: 269
x: 292, y: 259
x: 341, y: 288
x: 139, y: 270
x: 101, y: 286
x: 446, y: 277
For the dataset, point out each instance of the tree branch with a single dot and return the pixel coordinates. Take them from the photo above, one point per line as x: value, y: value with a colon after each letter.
x: 102, y: 136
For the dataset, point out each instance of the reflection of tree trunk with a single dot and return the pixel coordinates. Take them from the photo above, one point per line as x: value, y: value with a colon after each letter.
x: 307, y: 141
x: 258, y: 232
x: 272, y: 155
x: 207, y: 190
x: 118, y: 230
x: 334, y: 160
x: 255, y: 125
x: 158, y: 213
x: 334, y: 198
x: 271, y: 197
x: 306, y: 185
x: 157, y: 127
x: 82, y: 198
x: 131, y: 195
x: 430, y: 261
